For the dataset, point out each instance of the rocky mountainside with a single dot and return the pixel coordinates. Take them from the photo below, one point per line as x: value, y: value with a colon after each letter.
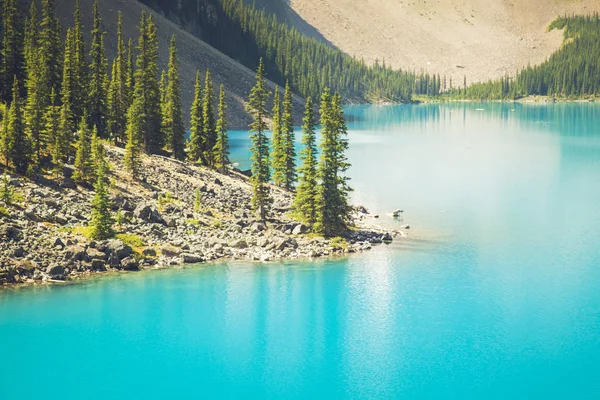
x: 43, y: 236
x: 194, y: 54
x: 482, y: 39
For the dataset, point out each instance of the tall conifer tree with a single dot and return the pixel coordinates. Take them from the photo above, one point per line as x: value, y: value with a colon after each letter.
x: 17, y: 143
x: 305, y: 202
x: 83, y: 161
x: 12, y: 63
x: 80, y: 66
x: 50, y: 53
x: 333, y: 210
x: 196, y: 144
x: 277, y: 155
x: 289, y: 141
x: 102, y: 221
x: 173, y: 119
x: 118, y: 102
x: 34, y: 108
x: 208, y: 119
x: 221, y: 149
x: 98, y: 77
x: 261, y: 192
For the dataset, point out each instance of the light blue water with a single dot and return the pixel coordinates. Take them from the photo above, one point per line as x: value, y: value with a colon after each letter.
x: 495, y: 295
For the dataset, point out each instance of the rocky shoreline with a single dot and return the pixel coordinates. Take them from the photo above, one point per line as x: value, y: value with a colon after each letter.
x: 43, y: 237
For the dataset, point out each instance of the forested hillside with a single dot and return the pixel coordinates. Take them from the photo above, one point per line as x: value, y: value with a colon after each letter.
x: 247, y: 33
x: 572, y: 72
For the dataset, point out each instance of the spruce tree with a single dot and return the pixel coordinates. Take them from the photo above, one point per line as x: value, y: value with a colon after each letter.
x: 261, y: 192
x: 17, y: 143
x: 129, y: 80
x: 172, y: 116
x: 208, y: 119
x: 135, y: 120
x: 289, y: 140
x: 118, y: 102
x: 195, y: 146
x: 34, y: 107
x: 79, y: 67
x: 333, y: 210
x: 102, y: 223
x: 50, y: 53
x: 12, y: 49
x: 66, y: 94
x: 162, y: 89
x: 4, y: 134
x: 277, y: 155
x: 221, y: 149
x: 98, y: 77
x: 84, y: 166
x: 52, y: 135
x: 305, y: 202
x: 148, y: 58
x: 66, y: 128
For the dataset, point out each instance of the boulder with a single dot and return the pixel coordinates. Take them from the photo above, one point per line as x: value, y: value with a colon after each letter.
x: 10, y: 232
x: 147, y: 213
x: 75, y: 253
x: 239, y: 244
x: 19, y: 252
x: 94, y: 254
x: 170, y: 251
x: 300, y: 229
x: 59, y: 243
x: 191, y: 259
x: 98, y: 265
x: 56, y: 271
x: 149, y: 252
x: 258, y: 227
x: 130, y: 264
x: 118, y: 249
x: 387, y: 237
x: 397, y: 213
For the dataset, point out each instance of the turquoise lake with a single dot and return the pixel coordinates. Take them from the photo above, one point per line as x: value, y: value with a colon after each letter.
x: 494, y: 295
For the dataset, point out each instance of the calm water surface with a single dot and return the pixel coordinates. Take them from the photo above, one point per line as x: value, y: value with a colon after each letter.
x: 496, y: 294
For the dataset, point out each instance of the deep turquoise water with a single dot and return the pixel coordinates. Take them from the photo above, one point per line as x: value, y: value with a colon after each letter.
x: 496, y: 294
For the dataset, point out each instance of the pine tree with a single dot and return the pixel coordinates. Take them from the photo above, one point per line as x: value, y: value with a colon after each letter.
x: 4, y: 134
x: 117, y: 95
x: 52, y: 134
x: 221, y: 149
x: 162, y: 89
x: 208, y: 119
x: 136, y: 119
x: 98, y: 77
x: 34, y: 108
x: 129, y: 80
x: 6, y: 193
x: 12, y: 49
x: 102, y: 221
x: 66, y: 94
x: 50, y: 53
x: 261, y: 193
x: 148, y: 58
x: 289, y: 140
x: 79, y: 67
x: 278, y: 153
x: 333, y: 210
x: 305, y: 202
x: 172, y: 116
x: 196, y: 123
x: 17, y: 143
x: 84, y: 166
x: 66, y: 128
x: 98, y: 158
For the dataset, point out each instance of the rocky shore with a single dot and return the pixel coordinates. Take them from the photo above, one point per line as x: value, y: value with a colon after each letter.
x: 43, y: 235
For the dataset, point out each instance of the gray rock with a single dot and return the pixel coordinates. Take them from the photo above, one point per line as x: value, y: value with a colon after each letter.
x: 387, y: 237
x: 147, y: 213
x: 119, y: 249
x: 98, y: 265
x: 239, y: 244
x: 19, y: 252
x: 191, y: 259
x: 258, y: 227
x: 10, y: 232
x: 300, y: 229
x: 149, y: 252
x: 130, y: 264
x: 170, y: 251
x: 75, y: 253
x: 94, y: 254
x: 59, y: 243
x: 56, y: 271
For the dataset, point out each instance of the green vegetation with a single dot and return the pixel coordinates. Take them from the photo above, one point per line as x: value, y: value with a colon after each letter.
x: 101, y: 225
x: 305, y: 202
x: 131, y: 239
x: 261, y: 175
x: 172, y: 120
x: 221, y: 149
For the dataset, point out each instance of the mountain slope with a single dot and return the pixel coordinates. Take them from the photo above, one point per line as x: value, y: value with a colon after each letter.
x: 193, y: 54
x: 482, y: 39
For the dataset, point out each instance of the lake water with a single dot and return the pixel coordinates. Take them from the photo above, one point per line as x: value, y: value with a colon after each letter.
x: 495, y: 294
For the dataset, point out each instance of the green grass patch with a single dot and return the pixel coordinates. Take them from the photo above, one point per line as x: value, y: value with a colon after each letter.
x: 338, y: 243
x: 131, y: 239
x: 4, y: 211
x: 85, y: 231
